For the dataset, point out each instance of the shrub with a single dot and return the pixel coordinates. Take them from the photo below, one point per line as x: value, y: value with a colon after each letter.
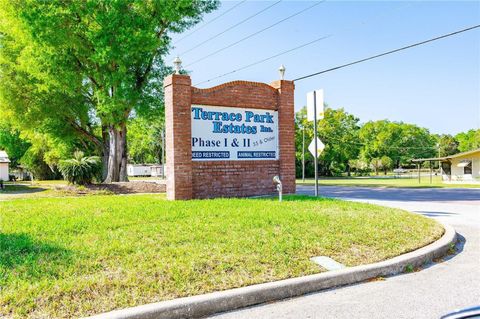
x: 79, y: 170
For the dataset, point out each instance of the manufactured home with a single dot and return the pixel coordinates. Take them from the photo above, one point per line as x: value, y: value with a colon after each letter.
x: 4, y: 163
x: 139, y: 170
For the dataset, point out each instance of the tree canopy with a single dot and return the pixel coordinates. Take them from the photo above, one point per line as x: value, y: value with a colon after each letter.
x: 399, y: 141
x: 469, y: 140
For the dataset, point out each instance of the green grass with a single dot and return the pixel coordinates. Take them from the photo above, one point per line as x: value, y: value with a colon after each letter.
x: 70, y: 257
x: 386, y: 182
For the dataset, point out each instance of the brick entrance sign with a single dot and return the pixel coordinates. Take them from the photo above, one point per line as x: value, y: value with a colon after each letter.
x: 229, y: 140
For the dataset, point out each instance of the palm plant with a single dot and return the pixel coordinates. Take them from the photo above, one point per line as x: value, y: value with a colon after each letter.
x: 80, y: 169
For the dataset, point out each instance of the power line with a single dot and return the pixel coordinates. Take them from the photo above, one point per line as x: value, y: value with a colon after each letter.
x: 256, y: 33
x: 214, y: 19
x: 265, y: 59
x: 287, y: 51
x: 339, y: 139
x: 232, y: 27
x: 388, y: 52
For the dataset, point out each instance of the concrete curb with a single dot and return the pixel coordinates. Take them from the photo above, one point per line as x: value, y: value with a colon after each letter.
x: 221, y: 301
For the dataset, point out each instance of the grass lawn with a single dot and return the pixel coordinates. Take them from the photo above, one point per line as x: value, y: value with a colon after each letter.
x: 70, y: 257
x: 385, y: 182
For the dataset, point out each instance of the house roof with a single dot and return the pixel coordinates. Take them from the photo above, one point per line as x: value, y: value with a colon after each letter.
x: 446, y: 157
x: 4, y: 157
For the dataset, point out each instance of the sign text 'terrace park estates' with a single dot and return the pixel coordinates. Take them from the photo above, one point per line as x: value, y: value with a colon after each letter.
x: 227, y: 133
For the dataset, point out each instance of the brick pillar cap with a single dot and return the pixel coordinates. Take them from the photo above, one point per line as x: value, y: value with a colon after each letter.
x: 178, y: 79
x: 282, y: 84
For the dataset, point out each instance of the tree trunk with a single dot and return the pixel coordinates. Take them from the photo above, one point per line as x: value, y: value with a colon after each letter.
x: 117, y: 154
x: 105, y: 152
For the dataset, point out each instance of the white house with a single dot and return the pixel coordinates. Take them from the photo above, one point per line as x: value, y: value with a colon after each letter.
x: 4, y: 162
x: 461, y: 168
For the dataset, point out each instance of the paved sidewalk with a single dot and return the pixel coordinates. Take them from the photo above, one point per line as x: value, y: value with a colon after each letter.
x: 430, y: 293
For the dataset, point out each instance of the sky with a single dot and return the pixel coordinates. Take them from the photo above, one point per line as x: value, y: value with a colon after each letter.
x: 436, y: 85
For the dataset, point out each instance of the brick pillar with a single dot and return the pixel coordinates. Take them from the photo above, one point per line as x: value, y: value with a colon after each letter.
x: 178, y: 135
x: 286, y: 133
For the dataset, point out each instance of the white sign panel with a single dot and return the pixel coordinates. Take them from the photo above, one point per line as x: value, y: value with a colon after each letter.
x: 226, y: 133
x: 320, y: 147
x: 320, y: 109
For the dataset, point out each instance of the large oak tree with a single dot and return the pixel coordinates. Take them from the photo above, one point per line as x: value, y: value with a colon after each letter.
x: 84, y: 66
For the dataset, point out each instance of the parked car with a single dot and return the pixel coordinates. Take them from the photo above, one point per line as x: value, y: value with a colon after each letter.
x: 400, y: 171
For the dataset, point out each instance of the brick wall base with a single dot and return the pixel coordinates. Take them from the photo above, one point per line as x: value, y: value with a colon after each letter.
x: 234, y: 178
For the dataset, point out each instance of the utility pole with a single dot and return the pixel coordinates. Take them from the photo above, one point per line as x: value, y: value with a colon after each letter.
x: 313, y: 116
x: 439, y: 162
x: 303, y: 153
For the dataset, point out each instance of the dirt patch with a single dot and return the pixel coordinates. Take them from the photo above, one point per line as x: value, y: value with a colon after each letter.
x: 131, y: 187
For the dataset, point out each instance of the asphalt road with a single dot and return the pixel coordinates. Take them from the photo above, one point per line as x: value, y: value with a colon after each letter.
x: 436, y: 290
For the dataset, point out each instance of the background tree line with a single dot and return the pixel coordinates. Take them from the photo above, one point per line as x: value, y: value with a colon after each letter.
x: 372, y: 147
x: 375, y: 146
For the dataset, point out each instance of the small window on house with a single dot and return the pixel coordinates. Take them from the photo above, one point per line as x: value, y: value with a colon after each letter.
x: 466, y: 165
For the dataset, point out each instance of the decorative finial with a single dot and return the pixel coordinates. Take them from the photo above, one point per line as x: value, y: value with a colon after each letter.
x: 281, y: 70
x: 178, y: 65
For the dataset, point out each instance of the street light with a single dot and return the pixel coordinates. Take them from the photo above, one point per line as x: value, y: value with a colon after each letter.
x: 178, y: 65
x: 281, y: 70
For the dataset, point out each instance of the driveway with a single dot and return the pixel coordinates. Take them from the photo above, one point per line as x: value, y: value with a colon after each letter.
x: 436, y: 290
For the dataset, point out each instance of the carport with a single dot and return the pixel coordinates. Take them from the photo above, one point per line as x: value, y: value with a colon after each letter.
x: 420, y: 161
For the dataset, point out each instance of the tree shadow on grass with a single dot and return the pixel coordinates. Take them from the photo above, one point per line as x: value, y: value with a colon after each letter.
x: 24, y: 257
x: 21, y: 189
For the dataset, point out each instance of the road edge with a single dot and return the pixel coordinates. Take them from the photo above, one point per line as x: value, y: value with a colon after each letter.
x: 227, y: 300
